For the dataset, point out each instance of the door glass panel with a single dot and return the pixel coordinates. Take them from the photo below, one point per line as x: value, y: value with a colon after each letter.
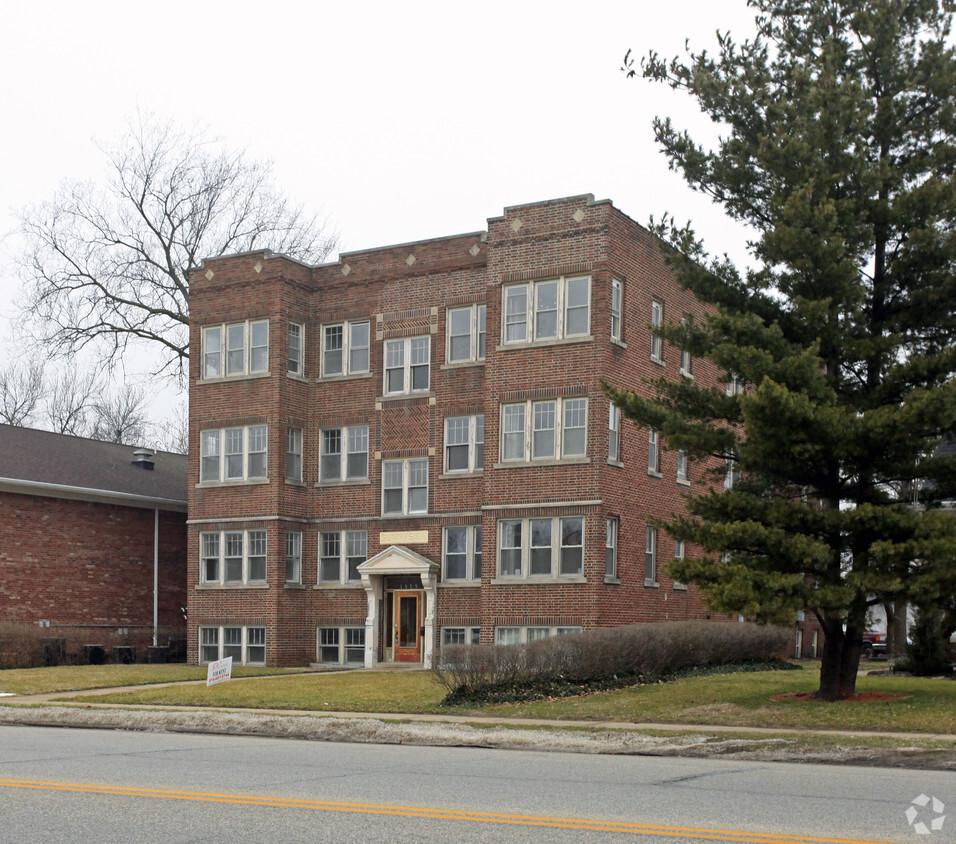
x: 408, y: 622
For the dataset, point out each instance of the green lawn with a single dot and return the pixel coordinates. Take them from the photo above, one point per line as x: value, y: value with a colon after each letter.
x: 744, y: 699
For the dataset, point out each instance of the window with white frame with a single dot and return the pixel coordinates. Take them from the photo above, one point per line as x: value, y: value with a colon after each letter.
x: 246, y: 645
x: 682, y: 475
x: 731, y: 472
x: 653, y: 452
x: 461, y: 559
x: 293, y: 456
x: 686, y: 361
x: 617, y: 295
x: 679, y: 555
x: 344, y: 454
x: 404, y: 487
x: 551, y: 309
x: 464, y: 443
x: 610, y: 548
x: 345, y: 348
x: 460, y: 636
x: 548, y: 547
x: 549, y: 429
x: 341, y: 645
x: 296, y: 349
x: 650, y: 557
x: 466, y: 334
x: 233, y: 556
x: 233, y: 454
x: 614, y: 433
x: 341, y: 552
x: 407, y: 365
x: 293, y: 556
x: 734, y: 385
x: 657, y: 342
x: 532, y: 633
x: 235, y: 349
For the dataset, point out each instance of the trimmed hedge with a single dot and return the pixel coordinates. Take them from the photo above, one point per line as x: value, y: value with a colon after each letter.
x: 601, y: 659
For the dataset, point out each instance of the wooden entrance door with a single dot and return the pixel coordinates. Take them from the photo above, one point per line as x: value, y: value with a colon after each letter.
x: 407, y: 626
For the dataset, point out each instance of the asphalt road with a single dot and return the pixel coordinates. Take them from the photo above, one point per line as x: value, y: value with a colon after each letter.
x: 69, y: 785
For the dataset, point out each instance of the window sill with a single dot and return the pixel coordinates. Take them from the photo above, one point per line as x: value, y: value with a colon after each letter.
x: 652, y: 474
x: 405, y: 515
x: 352, y: 584
x: 619, y: 343
x: 421, y: 394
x: 612, y: 580
x: 227, y: 379
x: 219, y: 484
x: 688, y: 375
x: 349, y: 482
x: 462, y: 364
x: 451, y: 475
x: 651, y: 584
x: 683, y: 482
x: 202, y: 587
x: 460, y: 584
x: 537, y: 344
x: 294, y: 376
x: 288, y: 585
x: 290, y: 482
x: 658, y: 361
x: 536, y: 580
x: 524, y: 464
x: 680, y: 587
x: 618, y: 463
x: 325, y: 379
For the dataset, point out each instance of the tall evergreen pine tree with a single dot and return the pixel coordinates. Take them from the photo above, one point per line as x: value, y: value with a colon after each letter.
x: 838, y: 151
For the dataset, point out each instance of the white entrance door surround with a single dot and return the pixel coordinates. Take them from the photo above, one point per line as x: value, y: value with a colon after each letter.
x: 398, y: 560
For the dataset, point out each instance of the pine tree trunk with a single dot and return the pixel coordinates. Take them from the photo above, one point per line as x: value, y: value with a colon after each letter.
x: 840, y: 662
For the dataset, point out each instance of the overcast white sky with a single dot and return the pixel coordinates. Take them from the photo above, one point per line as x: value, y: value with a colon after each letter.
x: 398, y: 121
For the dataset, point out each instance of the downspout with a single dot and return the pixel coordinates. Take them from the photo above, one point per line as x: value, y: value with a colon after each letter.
x: 156, y: 577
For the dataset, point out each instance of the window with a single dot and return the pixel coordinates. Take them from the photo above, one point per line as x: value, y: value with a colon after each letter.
x: 341, y: 552
x: 524, y: 635
x: 407, y: 365
x: 464, y: 443
x: 551, y: 429
x: 462, y: 553
x: 246, y: 349
x: 345, y: 348
x: 610, y: 549
x: 246, y: 645
x: 731, y: 472
x: 341, y: 645
x: 614, y: 433
x: 547, y: 310
x: 617, y: 291
x: 404, y: 487
x: 293, y: 556
x: 460, y: 636
x: 657, y: 342
x: 679, y: 555
x: 234, y: 454
x: 682, y: 475
x: 293, y: 457
x: 650, y: 557
x: 466, y: 334
x: 734, y: 386
x: 686, y: 361
x: 296, y: 349
x: 344, y: 454
x: 653, y: 452
x: 549, y: 547
x: 233, y: 556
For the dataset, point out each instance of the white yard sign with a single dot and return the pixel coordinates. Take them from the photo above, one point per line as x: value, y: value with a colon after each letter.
x: 219, y: 671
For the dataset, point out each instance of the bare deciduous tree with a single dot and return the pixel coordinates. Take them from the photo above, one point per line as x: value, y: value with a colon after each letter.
x: 21, y: 391
x: 173, y: 435
x: 106, y: 264
x: 121, y: 417
x: 69, y: 400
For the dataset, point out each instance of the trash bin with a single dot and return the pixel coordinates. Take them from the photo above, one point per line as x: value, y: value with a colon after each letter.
x: 156, y: 655
x: 94, y: 654
x: 124, y: 654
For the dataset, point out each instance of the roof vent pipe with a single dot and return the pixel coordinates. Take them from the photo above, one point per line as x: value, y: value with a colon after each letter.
x: 143, y: 458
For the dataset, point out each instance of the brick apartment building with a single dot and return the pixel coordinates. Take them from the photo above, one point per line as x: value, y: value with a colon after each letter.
x: 411, y: 447
x: 92, y: 536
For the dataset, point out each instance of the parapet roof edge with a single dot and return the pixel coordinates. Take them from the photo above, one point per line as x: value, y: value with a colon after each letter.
x: 586, y: 197
x: 480, y: 233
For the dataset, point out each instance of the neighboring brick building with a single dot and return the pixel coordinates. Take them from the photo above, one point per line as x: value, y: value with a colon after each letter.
x: 411, y: 446
x: 81, y: 524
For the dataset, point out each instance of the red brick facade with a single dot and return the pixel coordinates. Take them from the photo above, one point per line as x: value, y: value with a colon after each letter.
x: 415, y: 366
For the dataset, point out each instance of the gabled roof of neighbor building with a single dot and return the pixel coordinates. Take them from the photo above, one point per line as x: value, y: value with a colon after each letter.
x: 60, y: 466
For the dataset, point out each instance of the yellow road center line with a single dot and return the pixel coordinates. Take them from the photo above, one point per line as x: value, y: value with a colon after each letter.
x: 437, y: 814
